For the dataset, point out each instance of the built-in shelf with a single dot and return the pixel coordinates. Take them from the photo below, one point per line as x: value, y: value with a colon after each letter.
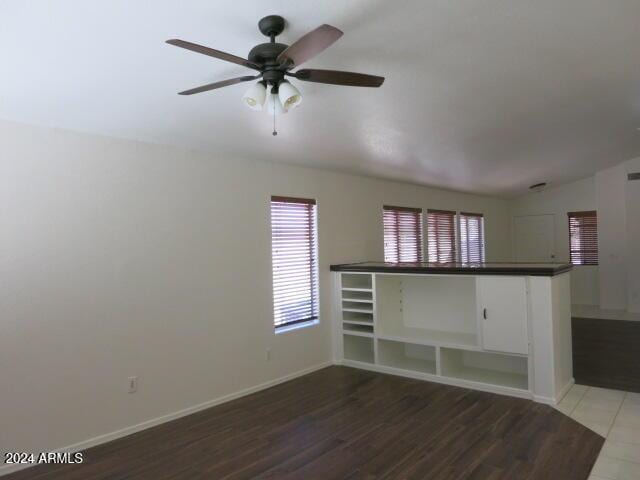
x: 357, y: 310
x: 360, y: 317
x: 485, y: 367
x: 355, y: 322
x: 427, y: 336
x: 491, y: 377
x: 357, y: 328
x: 358, y: 348
x: 424, y: 327
x: 346, y: 289
x: 357, y: 280
x: 357, y: 300
x: 357, y: 296
x: 407, y: 356
x: 357, y: 306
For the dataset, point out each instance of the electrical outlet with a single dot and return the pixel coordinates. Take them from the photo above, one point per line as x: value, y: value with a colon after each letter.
x: 133, y: 384
x: 268, y: 354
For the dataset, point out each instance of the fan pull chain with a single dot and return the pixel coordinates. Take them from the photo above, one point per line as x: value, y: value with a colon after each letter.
x: 274, y: 133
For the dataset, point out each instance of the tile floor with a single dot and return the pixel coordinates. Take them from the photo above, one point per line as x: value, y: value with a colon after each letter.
x: 616, y: 416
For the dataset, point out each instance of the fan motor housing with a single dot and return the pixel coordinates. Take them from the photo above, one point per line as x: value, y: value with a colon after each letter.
x: 266, y: 53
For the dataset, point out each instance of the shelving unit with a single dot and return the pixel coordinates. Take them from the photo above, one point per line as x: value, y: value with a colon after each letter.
x: 423, y: 325
x: 407, y: 356
x: 498, y: 327
x: 357, y: 299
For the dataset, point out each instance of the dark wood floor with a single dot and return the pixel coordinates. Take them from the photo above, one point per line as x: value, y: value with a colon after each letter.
x: 606, y: 353
x: 347, y: 424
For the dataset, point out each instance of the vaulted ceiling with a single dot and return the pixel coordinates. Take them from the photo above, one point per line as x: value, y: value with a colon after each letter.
x: 480, y: 95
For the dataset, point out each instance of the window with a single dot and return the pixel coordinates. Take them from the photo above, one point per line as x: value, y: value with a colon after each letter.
x: 471, y: 237
x: 402, y: 234
x: 583, y: 238
x: 295, y: 261
x: 441, y: 235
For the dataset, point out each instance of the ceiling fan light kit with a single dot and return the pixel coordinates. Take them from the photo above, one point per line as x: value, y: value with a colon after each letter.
x: 289, y: 95
x: 255, y: 97
x: 274, y: 61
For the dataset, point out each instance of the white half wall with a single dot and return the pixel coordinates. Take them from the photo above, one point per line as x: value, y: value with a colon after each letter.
x: 121, y: 258
x: 558, y: 201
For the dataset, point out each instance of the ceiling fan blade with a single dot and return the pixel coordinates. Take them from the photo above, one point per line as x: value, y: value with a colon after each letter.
x: 309, y: 45
x: 222, y: 83
x: 194, y: 47
x: 337, y: 77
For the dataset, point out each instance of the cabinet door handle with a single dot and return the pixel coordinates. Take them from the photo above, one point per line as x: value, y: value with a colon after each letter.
x: 484, y: 313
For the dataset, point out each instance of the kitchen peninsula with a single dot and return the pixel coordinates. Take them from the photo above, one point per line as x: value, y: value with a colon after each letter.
x: 498, y: 327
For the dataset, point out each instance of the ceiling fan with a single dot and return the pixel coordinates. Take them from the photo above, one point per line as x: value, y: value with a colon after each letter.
x: 274, y: 61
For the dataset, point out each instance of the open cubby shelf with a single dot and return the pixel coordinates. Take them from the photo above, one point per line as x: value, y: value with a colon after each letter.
x: 434, y: 310
x: 358, y: 348
x: 357, y: 310
x: 360, y: 317
x: 357, y: 307
x: 357, y: 296
x: 485, y: 367
x: 346, y: 289
x: 357, y: 300
x: 407, y: 356
x: 360, y: 281
x: 491, y: 369
x: 355, y: 322
x: 357, y: 327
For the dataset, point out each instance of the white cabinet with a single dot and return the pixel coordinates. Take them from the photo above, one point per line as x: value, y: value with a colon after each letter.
x: 502, y: 303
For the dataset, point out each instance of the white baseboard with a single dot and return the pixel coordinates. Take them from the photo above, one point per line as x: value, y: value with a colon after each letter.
x: 454, y: 382
x: 107, y: 437
x: 554, y: 401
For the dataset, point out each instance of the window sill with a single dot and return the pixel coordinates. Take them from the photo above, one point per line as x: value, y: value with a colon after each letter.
x: 297, y: 326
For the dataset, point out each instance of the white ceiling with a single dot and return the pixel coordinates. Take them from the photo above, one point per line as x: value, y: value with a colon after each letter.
x: 480, y: 95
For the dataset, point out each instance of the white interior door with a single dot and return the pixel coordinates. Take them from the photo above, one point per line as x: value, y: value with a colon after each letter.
x: 503, y: 314
x: 533, y: 238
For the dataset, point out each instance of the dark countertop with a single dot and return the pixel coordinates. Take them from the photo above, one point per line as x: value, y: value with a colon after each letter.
x: 493, y: 268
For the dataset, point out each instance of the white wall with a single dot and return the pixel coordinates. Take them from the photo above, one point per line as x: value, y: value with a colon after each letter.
x: 612, y: 236
x: 615, y: 282
x: 576, y: 196
x: 121, y: 258
x: 633, y: 237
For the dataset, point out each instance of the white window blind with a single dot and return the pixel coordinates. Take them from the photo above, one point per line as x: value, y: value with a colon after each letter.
x: 441, y: 236
x: 471, y: 237
x: 583, y: 238
x: 402, y: 234
x: 295, y: 260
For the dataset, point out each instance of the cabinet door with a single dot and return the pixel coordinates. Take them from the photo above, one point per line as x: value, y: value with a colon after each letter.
x: 503, y: 314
